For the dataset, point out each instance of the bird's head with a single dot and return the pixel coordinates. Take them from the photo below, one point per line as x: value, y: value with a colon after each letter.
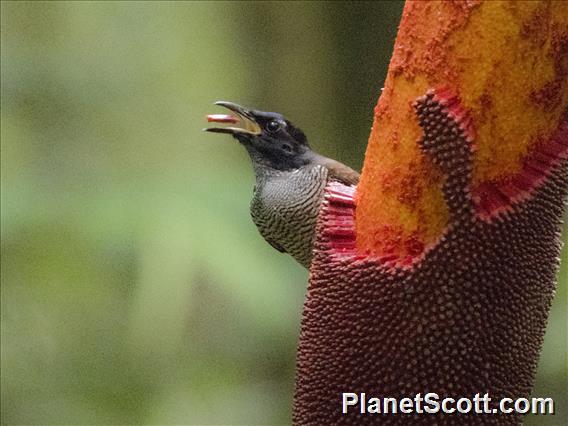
x: 270, y: 139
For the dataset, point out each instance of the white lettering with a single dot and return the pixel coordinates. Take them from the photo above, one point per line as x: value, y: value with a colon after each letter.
x: 460, y: 404
x: 406, y: 405
x: 351, y: 401
x: 418, y: 403
x: 543, y: 406
x: 445, y: 408
x: 486, y: 400
x: 432, y: 400
x: 431, y: 403
x: 503, y: 403
x: 374, y: 406
x: 393, y: 406
x: 522, y: 405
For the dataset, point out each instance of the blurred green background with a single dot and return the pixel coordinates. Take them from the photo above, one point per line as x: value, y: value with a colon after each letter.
x: 135, y: 288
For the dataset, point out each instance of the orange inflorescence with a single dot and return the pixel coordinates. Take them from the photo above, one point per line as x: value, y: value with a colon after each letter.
x: 507, y: 62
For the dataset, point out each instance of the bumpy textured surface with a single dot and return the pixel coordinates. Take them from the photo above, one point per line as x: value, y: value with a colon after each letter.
x: 466, y: 316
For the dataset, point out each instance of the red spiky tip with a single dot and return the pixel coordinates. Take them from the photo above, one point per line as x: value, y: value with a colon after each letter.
x: 498, y: 197
x: 339, y: 207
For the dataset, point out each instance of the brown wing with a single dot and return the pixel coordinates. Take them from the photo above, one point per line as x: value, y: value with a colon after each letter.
x: 340, y: 172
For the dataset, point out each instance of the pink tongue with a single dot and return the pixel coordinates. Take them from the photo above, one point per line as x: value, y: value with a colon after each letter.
x: 222, y: 118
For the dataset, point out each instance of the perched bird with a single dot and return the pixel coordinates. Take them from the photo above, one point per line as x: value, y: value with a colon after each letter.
x: 290, y: 177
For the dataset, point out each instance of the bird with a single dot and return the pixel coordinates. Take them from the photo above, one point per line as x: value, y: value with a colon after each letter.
x: 290, y: 177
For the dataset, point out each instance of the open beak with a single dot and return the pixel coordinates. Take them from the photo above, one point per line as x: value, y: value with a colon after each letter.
x: 247, y: 125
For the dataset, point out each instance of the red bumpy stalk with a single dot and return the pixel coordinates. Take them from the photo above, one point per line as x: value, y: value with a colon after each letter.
x: 465, y: 317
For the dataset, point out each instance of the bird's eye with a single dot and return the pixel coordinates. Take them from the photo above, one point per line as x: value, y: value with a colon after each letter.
x: 287, y: 147
x: 273, y: 126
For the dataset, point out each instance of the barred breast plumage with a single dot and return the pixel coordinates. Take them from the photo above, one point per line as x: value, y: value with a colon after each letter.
x: 285, y: 207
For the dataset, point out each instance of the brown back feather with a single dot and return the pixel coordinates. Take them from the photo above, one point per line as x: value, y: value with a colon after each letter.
x: 340, y: 172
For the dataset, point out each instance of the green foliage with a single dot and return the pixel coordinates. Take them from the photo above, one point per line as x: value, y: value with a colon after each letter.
x: 135, y: 288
